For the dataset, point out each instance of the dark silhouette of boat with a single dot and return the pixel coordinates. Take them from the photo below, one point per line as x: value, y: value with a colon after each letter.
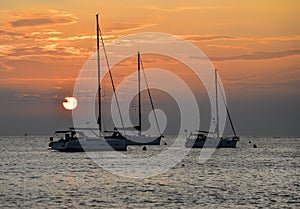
x: 205, y: 139
x: 76, y: 141
x: 140, y: 139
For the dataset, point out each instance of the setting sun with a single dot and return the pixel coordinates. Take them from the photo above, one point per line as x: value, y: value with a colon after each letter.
x: 70, y: 103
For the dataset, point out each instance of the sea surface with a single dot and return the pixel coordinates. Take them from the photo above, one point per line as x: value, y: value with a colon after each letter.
x: 265, y: 177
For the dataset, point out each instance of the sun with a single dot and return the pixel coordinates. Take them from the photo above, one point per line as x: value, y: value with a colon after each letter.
x: 70, y: 103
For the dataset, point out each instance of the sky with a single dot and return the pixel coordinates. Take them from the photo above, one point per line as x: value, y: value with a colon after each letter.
x: 255, y: 45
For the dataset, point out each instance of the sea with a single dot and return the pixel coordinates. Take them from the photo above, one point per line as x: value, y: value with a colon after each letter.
x: 32, y: 176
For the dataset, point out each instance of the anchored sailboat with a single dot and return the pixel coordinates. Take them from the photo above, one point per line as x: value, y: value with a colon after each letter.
x: 206, y: 139
x: 75, y: 141
x: 141, y: 139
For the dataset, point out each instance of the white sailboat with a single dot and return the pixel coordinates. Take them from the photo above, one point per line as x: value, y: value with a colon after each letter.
x: 142, y: 139
x: 205, y: 139
x: 73, y: 140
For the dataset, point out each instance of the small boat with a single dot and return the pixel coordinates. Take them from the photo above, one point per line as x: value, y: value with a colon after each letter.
x: 76, y: 141
x: 202, y: 140
x: 206, y: 139
x: 140, y: 139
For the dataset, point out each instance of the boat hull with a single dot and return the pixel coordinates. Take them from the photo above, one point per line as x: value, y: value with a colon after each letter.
x: 143, y: 140
x: 87, y: 145
x: 227, y: 143
x: 211, y: 143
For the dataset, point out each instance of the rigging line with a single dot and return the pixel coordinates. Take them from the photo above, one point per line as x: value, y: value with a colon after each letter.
x: 104, y: 106
x: 111, y: 79
x: 151, y: 101
x: 227, y: 110
x: 217, y: 104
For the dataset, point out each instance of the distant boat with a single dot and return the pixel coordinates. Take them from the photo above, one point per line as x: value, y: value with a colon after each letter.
x: 76, y: 141
x: 141, y: 139
x: 205, y: 139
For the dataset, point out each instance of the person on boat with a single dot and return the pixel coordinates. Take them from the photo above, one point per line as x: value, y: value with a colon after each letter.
x: 116, y: 133
x: 201, y: 137
x: 67, y: 137
x: 73, y: 136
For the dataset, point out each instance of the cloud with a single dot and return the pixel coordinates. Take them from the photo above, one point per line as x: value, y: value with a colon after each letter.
x: 215, y: 37
x: 30, y: 96
x: 72, y: 38
x: 260, y: 82
x: 6, y: 49
x: 9, y: 36
x: 52, y: 32
x: 200, y: 38
x: 43, y: 54
x: 183, y: 8
x: 36, y: 53
x: 259, y: 55
x: 5, y: 67
x: 38, y: 79
x: 125, y: 26
x: 38, y: 95
x: 53, y: 17
x: 224, y: 46
x: 271, y: 38
x: 31, y: 22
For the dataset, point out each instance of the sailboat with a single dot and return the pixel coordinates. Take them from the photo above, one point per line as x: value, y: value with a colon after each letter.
x: 206, y: 139
x: 142, y: 139
x: 73, y: 140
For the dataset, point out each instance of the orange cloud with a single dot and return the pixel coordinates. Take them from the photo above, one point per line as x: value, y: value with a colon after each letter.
x: 215, y: 37
x: 9, y: 35
x: 182, y: 8
x: 5, y: 67
x: 53, y: 17
x: 200, y: 38
x: 125, y: 27
x: 259, y: 55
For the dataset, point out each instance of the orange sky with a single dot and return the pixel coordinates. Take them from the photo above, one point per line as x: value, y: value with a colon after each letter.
x: 254, y: 44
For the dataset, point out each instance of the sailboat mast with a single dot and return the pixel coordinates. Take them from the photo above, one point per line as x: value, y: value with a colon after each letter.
x: 99, y: 87
x: 139, y: 94
x: 217, y: 105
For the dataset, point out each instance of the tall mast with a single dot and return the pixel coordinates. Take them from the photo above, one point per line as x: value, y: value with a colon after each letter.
x: 99, y: 87
x: 139, y: 94
x: 217, y: 105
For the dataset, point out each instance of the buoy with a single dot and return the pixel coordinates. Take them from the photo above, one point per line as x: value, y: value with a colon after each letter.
x: 144, y: 148
x: 254, y: 146
x: 182, y: 165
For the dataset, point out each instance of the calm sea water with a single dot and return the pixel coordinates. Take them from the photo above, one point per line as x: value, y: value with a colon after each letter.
x: 267, y: 177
